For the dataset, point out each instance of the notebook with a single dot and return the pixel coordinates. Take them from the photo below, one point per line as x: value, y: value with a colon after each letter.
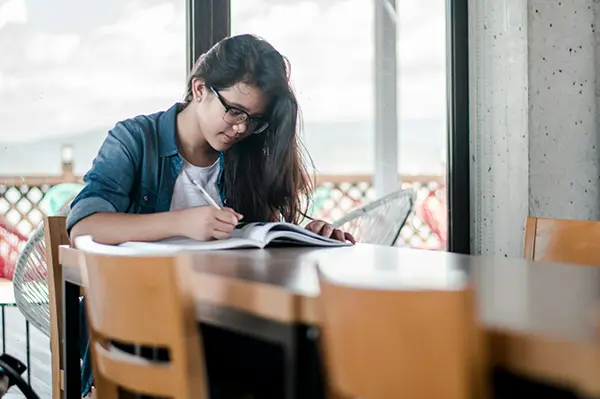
x: 252, y: 235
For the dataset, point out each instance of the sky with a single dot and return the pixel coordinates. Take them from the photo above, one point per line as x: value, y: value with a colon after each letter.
x: 70, y: 67
x: 65, y: 69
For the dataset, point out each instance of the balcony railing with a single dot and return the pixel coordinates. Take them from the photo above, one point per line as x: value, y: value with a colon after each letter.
x: 336, y: 195
x: 21, y: 202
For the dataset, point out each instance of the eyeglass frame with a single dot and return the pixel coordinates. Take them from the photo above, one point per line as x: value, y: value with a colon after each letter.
x: 248, y: 117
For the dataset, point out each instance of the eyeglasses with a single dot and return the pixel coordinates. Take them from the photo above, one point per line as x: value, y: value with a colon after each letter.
x: 235, y: 116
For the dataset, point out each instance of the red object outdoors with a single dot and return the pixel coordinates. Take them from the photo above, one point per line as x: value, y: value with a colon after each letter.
x: 11, y: 243
x: 433, y: 211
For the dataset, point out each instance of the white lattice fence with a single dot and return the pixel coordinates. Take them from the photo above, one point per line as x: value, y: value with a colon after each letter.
x: 335, y: 196
x: 23, y: 204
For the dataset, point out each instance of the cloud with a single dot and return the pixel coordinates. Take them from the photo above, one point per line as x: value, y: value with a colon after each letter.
x: 55, y: 48
x: 132, y: 60
x: 331, y: 47
x: 8, y: 83
x: 80, y: 81
x: 139, y: 22
x: 13, y: 11
x: 330, y: 54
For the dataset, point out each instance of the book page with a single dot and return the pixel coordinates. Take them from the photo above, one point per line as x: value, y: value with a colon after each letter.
x: 254, y: 231
x: 297, y: 231
x: 292, y: 237
x: 267, y: 232
x: 187, y: 244
x: 86, y: 243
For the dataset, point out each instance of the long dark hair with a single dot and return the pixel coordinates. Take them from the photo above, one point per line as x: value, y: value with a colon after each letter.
x: 265, y: 176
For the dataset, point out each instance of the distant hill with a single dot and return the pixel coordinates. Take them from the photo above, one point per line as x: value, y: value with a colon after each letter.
x: 42, y: 157
x: 336, y: 147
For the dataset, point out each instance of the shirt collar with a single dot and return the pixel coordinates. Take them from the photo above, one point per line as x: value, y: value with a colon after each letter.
x: 167, y: 131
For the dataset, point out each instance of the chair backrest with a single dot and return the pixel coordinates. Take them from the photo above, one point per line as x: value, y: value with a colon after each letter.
x: 30, y: 281
x: 387, y: 344
x: 574, y: 364
x: 560, y: 240
x: 55, y: 233
x: 145, y: 302
x: 379, y: 222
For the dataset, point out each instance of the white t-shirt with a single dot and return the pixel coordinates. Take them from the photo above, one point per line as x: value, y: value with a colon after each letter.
x: 186, y: 195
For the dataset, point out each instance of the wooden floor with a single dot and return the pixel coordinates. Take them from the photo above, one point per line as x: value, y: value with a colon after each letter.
x: 15, y: 345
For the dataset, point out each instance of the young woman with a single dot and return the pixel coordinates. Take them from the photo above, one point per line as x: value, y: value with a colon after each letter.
x: 236, y: 134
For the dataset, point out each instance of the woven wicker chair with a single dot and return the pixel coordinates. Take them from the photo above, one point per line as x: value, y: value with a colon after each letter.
x: 30, y: 280
x: 380, y: 222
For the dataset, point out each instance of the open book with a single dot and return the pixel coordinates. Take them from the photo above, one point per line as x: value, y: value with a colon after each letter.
x: 252, y: 235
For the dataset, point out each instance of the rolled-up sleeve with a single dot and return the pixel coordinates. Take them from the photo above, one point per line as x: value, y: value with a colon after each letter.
x: 109, y: 182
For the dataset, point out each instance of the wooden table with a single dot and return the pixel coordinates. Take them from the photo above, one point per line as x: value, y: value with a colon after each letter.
x: 271, y: 294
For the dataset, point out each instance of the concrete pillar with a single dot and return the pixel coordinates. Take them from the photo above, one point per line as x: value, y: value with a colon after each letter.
x: 533, y: 125
x: 499, y: 124
x: 563, y: 128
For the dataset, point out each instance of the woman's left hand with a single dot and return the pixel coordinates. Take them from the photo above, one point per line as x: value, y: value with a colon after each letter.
x: 326, y: 230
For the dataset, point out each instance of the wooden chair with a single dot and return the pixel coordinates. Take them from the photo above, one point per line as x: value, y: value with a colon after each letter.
x: 143, y: 302
x: 400, y: 344
x: 55, y: 233
x: 562, y: 241
x: 569, y: 363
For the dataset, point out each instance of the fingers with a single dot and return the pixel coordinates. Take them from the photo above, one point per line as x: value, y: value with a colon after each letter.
x: 339, y: 235
x: 349, y: 237
x: 227, y: 216
x: 220, y: 235
x: 327, y: 230
x: 224, y: 222
x: 239, y: 216
x: 316, y: 226
x: 221, y: 230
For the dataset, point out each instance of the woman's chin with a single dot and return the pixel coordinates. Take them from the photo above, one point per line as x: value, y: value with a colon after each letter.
x: 222, y: 142
x: 219, y: 145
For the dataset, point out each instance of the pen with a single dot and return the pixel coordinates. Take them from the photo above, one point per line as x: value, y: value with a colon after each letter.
x: 207, y: 197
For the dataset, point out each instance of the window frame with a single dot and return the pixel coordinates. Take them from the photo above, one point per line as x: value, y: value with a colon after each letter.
x: 209, y: 21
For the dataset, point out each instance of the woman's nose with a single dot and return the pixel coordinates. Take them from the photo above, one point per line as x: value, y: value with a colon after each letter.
x: 240, y: 127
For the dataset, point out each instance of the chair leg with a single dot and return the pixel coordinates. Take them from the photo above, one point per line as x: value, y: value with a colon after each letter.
x: 56, y: 385
x: 57, y: 373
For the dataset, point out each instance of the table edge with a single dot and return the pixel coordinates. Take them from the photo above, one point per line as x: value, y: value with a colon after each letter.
x: 259, y: 299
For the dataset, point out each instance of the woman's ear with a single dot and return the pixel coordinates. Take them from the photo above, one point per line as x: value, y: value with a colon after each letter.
x: 199, y: 89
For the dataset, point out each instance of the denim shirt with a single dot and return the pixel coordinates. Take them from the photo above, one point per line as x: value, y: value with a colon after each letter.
x: 134, y: 172
x: 135, y: 169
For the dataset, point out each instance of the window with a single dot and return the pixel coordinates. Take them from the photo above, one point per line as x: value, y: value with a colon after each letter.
x: 331, y: 45
x: 69, y: 71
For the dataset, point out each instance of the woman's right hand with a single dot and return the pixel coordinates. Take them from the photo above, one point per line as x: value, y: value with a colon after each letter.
x: 206, y: 223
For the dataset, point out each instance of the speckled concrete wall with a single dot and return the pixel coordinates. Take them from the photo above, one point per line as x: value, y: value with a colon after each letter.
x: 499, y: 123
x: 534, y: 96
x: 563, y: 129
